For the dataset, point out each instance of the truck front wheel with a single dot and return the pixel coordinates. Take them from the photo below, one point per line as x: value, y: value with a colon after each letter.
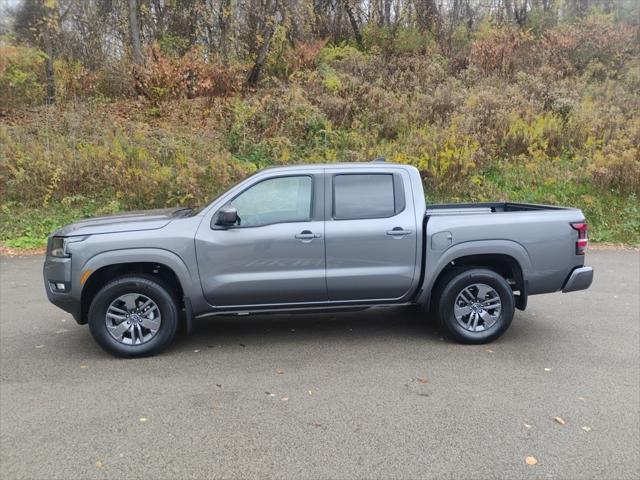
x: 133, y: 316
x: 475, y: 305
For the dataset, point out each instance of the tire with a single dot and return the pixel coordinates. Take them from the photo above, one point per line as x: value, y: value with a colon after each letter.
x: 143, y: 341
x: 485, y: 285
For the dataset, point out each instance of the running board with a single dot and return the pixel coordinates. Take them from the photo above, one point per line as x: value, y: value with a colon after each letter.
x: 323, y: 309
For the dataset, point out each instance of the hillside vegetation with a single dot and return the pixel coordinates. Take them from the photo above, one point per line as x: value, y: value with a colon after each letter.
x: 546, y: 114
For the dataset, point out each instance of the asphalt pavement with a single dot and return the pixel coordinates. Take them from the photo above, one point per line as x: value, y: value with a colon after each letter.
x: 374, y: 394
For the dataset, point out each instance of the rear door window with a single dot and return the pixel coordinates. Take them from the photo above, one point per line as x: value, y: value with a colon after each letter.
x: 358, y: 196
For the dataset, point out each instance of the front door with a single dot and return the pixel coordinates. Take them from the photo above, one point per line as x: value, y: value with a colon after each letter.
x: 275, y: 255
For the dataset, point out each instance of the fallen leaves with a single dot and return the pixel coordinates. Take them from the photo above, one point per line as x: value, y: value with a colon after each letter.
x: 559, y: 420
x: 531, y: 460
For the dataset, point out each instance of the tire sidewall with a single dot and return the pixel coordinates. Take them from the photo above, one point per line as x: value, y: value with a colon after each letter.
x: 156, y: 292
x: 455, y: 286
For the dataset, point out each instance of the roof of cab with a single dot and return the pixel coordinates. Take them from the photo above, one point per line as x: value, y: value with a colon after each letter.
x: 345, y: 165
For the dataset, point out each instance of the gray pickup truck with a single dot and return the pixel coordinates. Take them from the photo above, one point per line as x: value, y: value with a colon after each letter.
x: 313, y: 238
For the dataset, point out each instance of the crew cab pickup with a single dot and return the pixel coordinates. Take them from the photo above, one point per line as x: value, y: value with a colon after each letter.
x: 313, y: 238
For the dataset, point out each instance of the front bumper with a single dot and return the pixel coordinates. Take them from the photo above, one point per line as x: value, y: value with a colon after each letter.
x: 58, y: 271
x: 580, y: 279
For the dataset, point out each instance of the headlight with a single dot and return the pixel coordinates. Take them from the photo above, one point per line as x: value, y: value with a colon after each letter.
x: 59, y: 245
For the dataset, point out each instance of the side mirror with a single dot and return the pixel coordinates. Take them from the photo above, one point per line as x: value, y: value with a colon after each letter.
x: 227, y: 216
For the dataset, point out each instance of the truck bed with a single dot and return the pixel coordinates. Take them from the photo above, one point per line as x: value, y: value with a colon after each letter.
x: 486, y: 207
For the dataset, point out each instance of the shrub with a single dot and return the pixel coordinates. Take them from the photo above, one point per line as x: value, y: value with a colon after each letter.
x: 398, y: 41
x: 333, y: 53
x: 21, y: 76
x: 596, y: 39
x: 137, y: 166
x: 617, y: 167
x: 305, y: 55
x: 537, y: 139
x: 442, y: 156
x: 73, y: 80
x: 505, y: 51
x: 165, y: 76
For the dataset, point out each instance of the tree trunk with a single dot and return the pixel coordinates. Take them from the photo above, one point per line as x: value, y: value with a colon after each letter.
x: 508, y: 8
x: 428, y: 16
x: 48, y: 50
x: 223, y: 23
x: 337, y: 26
x: 134, y: 27
x: 270, y: 25
x: 520, y: 12
x: 387, y: 13
x: 354, y: 24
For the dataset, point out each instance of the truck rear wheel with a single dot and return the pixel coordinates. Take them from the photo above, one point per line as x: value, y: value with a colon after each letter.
x: 133, y: 316
x: 475, y: 305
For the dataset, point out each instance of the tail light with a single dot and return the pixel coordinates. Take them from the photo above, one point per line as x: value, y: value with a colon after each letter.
x: 583, y: 241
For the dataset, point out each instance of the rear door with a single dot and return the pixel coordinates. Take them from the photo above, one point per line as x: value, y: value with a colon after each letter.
x: 370, y: 233
x: 275, y: 255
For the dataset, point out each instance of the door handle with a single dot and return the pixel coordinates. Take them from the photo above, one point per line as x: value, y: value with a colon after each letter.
x: 307, y: 235
x: 398, y: 232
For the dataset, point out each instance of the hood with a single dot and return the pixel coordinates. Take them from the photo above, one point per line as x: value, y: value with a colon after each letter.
x: 124, y: 222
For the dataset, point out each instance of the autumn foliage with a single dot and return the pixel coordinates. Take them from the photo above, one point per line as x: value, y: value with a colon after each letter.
x: 548, y: 115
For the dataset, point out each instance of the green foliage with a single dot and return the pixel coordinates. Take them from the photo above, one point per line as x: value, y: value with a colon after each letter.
x: 172, y: 44
x: 136, y: 167
x: 21, y: 76
x: 526, y: 115
x: 73, y: 80
x: 612, y: 217
x: 330, y: 79
x: 334, y: 53
x: 537, y: 139
x: 597, y: 39
x: 28, y: 227
x: 408, y: 40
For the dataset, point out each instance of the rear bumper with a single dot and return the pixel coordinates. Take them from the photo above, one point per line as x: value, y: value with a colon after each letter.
x: 580, y: 279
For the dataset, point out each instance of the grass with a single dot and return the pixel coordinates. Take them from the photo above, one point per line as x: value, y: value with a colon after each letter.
x: 27, y: 228
x: 613, y: 218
